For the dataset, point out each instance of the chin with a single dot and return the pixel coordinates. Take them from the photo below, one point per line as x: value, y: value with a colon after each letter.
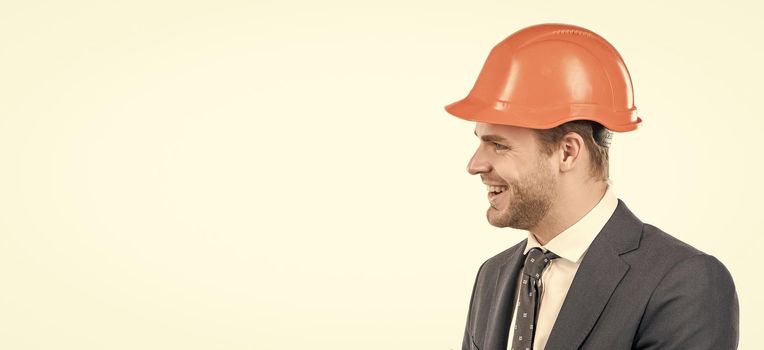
x: 497, y: 217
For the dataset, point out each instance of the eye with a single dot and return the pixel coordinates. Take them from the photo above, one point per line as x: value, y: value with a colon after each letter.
x: 499, y: 147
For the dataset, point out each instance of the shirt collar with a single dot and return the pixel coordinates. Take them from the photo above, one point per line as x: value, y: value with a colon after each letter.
x: 572, y: 243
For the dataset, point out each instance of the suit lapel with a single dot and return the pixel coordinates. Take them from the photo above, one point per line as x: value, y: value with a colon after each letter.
x: 502, y: 305
x: 601, y: 270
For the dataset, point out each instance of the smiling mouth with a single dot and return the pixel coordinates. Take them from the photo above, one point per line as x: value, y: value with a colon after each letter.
x: 495, y: 192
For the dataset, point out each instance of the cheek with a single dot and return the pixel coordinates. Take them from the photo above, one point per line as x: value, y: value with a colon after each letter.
x: 508, y: 172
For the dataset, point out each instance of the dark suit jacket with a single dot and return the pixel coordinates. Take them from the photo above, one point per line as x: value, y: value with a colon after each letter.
x: 637, y: 288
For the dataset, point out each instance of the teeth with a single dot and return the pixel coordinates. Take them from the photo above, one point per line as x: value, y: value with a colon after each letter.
x: 496, y: 188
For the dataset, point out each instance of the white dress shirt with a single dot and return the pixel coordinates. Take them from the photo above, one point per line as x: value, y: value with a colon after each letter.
x: 570, y: 246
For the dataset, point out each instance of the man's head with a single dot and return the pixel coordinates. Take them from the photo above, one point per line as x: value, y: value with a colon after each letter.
x: 527, y: 170
x: 535, y: 91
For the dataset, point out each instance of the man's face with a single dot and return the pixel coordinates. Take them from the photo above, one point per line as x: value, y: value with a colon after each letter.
x: 510, y: 158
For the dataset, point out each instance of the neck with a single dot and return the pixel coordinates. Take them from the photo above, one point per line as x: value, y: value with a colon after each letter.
x: 571, y: 205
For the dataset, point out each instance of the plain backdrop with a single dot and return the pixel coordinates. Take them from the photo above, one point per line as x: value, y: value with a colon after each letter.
x: 282, y: 174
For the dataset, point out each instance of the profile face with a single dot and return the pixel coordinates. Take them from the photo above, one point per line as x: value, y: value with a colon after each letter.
x: 520, y: 180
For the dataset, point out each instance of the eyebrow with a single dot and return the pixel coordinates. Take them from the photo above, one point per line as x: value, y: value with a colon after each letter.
x: 492, y: 138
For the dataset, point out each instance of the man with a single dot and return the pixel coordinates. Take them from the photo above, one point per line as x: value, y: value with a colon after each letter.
x: 590, y: 275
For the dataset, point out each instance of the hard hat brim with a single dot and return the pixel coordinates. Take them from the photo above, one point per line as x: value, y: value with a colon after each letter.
x: 505, y: 114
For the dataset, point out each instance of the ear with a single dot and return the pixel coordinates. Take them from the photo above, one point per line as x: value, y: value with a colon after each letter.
x: 571, y: 151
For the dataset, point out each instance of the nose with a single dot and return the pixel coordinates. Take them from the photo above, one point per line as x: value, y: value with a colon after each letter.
x: 477, y: 164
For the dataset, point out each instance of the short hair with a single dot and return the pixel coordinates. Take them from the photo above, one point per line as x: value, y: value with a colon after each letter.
x: 596, y: 137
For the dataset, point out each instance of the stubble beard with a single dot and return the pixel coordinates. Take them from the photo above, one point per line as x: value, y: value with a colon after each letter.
x: 529, y: 201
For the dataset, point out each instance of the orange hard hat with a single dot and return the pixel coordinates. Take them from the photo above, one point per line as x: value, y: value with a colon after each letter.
x: 548, y: 74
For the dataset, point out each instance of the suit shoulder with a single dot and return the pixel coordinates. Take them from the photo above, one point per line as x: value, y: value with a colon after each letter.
x: 666, y: 252
x: 663, y: 245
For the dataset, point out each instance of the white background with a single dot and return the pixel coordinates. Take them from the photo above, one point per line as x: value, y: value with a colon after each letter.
x: 282, y: 175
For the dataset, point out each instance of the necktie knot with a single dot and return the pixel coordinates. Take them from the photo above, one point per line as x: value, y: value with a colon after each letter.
x: 536, y: 261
